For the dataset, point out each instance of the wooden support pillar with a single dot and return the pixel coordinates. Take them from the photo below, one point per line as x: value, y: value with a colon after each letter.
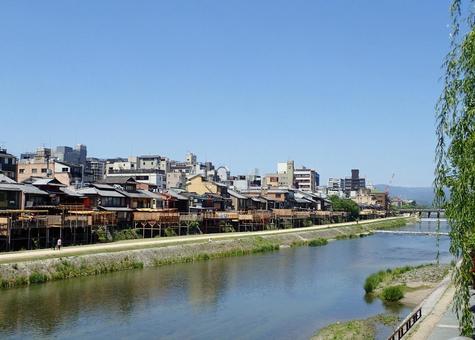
x: 29, y: 237
x: 9, y: 231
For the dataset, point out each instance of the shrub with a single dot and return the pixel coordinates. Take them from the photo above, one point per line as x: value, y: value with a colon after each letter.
x: 228, y: 229
x: 126, y: 234
x: 287, y: 224
x: 308, y: 222
x: 392, y: 293
x: 36, y: 277
x: 373, y: 281
x: 270, y: 226
x: 103, y: 235
x: 169, y: 232
x: 299, y: 243
x: 317, y: 242
x: 262, y: 245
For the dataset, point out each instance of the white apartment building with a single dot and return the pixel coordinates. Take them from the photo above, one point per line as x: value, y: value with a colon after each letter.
x: 305, y: 179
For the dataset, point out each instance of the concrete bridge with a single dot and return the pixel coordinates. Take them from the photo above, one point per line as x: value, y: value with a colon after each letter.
x: 407, y: 232
x: 423, y: 212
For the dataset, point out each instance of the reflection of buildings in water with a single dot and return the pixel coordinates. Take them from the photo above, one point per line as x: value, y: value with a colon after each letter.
x: 206, y: 281
x: 48, y: 307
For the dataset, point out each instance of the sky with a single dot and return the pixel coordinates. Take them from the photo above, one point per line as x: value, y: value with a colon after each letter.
x: 333, y: 85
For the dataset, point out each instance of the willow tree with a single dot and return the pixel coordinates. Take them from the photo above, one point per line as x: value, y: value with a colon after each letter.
x: 455, y: 160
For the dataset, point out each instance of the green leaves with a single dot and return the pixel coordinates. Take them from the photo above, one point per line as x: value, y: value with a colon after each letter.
x: 455, y: 153
x: 343, y: 204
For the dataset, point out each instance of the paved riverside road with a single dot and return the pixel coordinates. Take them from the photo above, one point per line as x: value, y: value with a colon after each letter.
x: 20, y: 256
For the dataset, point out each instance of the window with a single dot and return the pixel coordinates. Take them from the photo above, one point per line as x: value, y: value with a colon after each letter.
x: 21, y: 171
x: 43, y: 171
x: 65, y: 169
x: 34, y: 171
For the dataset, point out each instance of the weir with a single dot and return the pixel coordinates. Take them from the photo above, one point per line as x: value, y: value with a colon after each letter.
x: 407, y: 232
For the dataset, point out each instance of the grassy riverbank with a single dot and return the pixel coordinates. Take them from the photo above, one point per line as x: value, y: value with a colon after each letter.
x: 142, y: 254
x: 356, y: 329
x: 393, y: 285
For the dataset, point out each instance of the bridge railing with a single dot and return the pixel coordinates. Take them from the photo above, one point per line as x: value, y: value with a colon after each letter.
x: 407, y: 325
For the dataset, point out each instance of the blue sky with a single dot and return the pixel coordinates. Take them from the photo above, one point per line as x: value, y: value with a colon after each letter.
x: 333, y: 85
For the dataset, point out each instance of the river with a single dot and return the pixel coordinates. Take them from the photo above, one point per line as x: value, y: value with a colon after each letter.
x: 280, y: 295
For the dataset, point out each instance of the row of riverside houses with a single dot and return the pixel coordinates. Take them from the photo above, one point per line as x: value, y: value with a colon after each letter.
x: 155, y: 173
x: 64, y: 188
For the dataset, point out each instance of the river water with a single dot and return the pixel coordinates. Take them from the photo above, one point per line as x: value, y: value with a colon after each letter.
x: 285, y: 294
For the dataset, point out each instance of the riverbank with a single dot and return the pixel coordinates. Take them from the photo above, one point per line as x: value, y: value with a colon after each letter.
x: 416, y: 283
x: 356, y: 329
x: 413, y: 284
x: 24, y: 268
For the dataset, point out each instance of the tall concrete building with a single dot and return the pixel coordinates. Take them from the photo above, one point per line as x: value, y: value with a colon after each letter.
x: 76, y: 156
x: 285, y: 173
x: 190, y: 158
x: 355, y: 182
x: 95, y: 169
x: 306, y: 179
x: 336, y: 183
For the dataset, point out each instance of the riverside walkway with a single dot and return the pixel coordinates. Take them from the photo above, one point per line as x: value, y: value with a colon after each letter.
x: 441, y: 322
x: 20, y: 256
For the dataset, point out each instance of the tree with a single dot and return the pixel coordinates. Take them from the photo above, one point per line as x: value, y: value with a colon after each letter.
x: 343, y: 204
x: 455, y: 153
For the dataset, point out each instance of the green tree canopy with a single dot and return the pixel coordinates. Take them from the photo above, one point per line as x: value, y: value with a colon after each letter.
x: 344, y: 204
x: 455, y: 152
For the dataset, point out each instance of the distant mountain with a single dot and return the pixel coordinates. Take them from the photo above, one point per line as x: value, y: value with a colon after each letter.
x: 422, y: 195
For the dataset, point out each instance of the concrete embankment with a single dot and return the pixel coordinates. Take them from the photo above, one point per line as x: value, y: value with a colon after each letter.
x: 18, y: 269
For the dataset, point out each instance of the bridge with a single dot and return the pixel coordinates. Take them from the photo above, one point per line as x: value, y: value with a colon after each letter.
x: 421, y: 211
x: 407, y: 232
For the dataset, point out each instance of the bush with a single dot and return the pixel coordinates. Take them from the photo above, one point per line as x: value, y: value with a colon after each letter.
x: 318, y: 242
x: 103, y: 235
x: 392, y: 293
x: 308, y: 222
x: 287, y: 224
x: 373, y: 281
x: 299, y: 243
x: 36, y: 277
x: 126, y: 234
x: 169, y: 232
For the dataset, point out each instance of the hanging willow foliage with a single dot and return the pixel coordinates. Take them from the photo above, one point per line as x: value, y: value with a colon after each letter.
x: 455, y: 153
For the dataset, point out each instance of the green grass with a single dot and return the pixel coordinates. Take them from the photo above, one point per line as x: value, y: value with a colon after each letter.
x: 317, y: 242
x: 311, y: 243
x: 17, y: 281
x: 376, y: 279
x: 356, y: 329
x: 66, y: 269
x: 299, y: 243
x: 36, y: 277
x: 391, y: 224
x: 392, y: 293
x: 258, y: 245
x: 381, y: 284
